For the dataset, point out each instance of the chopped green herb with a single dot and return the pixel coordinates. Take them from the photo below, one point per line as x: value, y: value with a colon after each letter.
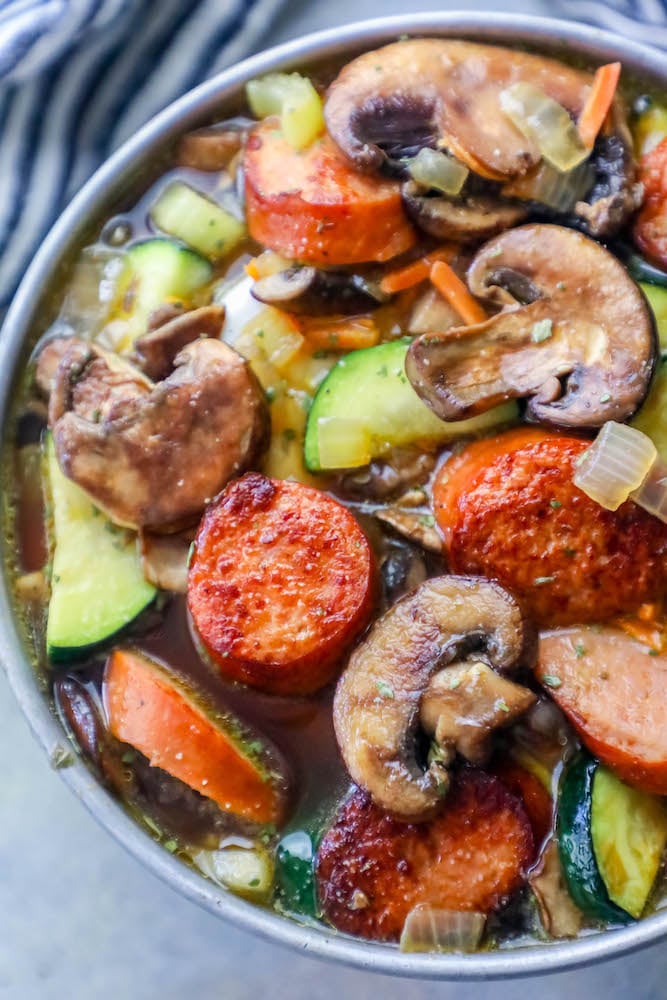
x: 255, y: 746
x: 454, y: 683
x: 570, y: 553
x: 561, y: 286
x: 502, y: 705
x: 128, y: 757
x: 542, y: 330
x: 539, y: 581
x: 552, y: 681
x: 170, y: 845
x: 270, y: 392
x: 253, y: 883
x: 427, y: 520
x: 383, y: 371
x: 605, y: 397
x: 384, y: 689
x: 496, y: 252
x: 579, y: 649
x: 555, y: 504
x: 653, y: 652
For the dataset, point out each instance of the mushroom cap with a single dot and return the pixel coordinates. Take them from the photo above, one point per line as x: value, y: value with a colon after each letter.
x: 582, y: 351
x: 466, y: 219
x: 316, y: 292
x: 433, y: 91
x: 378, y: 699
x: 152, y: 455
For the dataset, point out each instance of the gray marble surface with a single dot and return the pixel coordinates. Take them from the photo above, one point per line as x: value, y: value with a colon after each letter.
x: 81, y: 919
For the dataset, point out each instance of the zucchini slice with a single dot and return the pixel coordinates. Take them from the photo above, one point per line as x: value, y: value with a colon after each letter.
x: 366, y: 405
x: 629, y: 832
x: 575, y: 843
x: 97, y: 584
x: 651, y: 418
x: 201, y: 223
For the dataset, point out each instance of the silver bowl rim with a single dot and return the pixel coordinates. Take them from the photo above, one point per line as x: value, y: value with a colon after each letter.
x: 193, y: 108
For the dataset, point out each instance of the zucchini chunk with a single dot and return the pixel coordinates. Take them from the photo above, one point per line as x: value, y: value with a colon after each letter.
x: 366, y: 405
x: 575, y: 843
x: 629, y: 831
x: 197, y: 220
x: 97, y: 584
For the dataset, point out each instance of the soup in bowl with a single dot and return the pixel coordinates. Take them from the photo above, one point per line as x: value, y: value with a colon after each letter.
x: 337, y: 520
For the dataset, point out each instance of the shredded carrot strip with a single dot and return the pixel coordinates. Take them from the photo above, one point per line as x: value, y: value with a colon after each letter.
x: 413, y: 274
x: 599, y: 100
x: 341, y: 335
x: 653, y: 637
x: 252, y: 270
x: 452, y: 288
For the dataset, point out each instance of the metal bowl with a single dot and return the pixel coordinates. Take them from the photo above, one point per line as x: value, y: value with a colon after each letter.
x: 32, y: 310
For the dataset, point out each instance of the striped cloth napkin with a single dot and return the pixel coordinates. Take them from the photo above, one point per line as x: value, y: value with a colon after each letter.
x: 79, y: 76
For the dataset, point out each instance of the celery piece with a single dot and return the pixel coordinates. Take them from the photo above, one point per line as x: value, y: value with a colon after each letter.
x: 294, y: 98
x: 201, y: 223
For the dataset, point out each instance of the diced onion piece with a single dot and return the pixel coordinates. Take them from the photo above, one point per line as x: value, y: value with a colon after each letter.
x: 434, y: 169
x: 429, y: 929
x: 546, y: 123
x: 191, y: 216
x: 271, y: 335
x: 245, y: 870
x: 650, y: 129
x: 652, y: 494
x: 615, y: 465
x: 294, y: 98
x: 557, y: 189
x: 343, y: 444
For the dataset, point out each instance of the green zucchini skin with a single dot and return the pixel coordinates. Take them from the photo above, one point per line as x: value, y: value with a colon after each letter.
x: 97, y: 583
x: 575, y: 843
x: 641, y: 270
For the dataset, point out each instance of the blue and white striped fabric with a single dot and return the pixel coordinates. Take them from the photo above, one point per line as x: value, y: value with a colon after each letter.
x: 78, y: 76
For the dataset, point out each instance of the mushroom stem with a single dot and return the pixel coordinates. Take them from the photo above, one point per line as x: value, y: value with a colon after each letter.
x: 379, y: 696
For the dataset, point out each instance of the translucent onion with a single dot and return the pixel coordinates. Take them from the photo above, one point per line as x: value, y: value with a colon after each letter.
x: 546, y: 123
x: 557, y: 189
x: 430, y: 929
x: 435, y: 170
x: 243, y: 868
x: 623, y: 464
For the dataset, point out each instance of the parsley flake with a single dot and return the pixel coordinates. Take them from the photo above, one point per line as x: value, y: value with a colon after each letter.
x: 384, y: 689
x: 579, y: 650
x: 605, y: 397
x: 170, y: 845
x: 552, y: 681
x: 555, y: 504
x: 542, y: 330
x: 539, y: 581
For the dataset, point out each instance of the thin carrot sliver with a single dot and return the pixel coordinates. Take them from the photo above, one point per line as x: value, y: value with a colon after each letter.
x: 598, y: 103
x: 452, y: 288
x: 345, y: 335
x: 252, y: 270
x: 413, y: 274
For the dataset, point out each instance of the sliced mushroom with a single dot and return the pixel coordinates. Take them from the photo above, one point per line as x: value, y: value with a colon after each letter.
x: 464, y: 704
x: 157, y: 349
x: 152, y: 455
x: 412, y: 525
x: 466, y: 219
x: 559, y: 915
x: 379, y: 696
x: 48, y: 359
x: 581, y: 354
x: 388, y: 104
x: 315, y: 292
x: 164, y: 559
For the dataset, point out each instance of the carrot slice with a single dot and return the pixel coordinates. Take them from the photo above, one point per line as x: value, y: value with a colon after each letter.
x: 312, y: 206
x: 341, y: 335
x: 150, y: 709
x: 373, y: 869
x: 453, y: 289
x: 613, y: 693
x: 281, y: 581
x: 413, y: 274
x: 598, y: 103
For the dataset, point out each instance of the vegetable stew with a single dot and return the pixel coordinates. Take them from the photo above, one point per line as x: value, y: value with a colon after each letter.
x: 340, y: 499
